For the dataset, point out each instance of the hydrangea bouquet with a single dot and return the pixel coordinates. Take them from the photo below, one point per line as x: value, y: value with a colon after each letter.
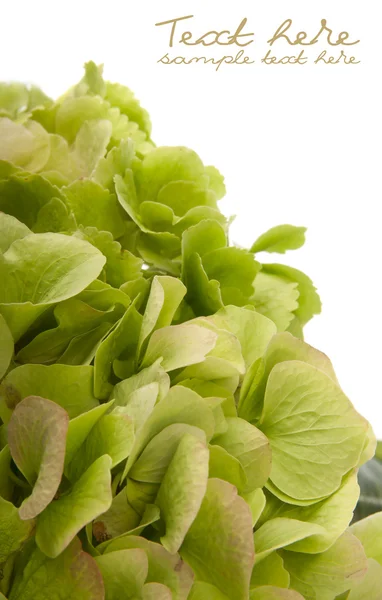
x: 165, y: 432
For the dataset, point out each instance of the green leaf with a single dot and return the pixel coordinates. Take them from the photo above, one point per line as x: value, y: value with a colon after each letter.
x: 37, y: 440
x: 279, y: 239
x: 328, y: 574
x: 250, y: 446
x: 124, y: 573
x: 40, y: 270
x: 73, y: 574
x: 270, y: 571
x: 13, y: 531
x: 182, y: 490
x: 6, y: 348
x: 179, y: 346
x: 71, y: 387
x: 219, y: 544
x: 93, y: 206
x: 89, y: 497
x: 11, y: 230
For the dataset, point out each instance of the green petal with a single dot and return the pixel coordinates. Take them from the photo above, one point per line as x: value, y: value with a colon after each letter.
x: 124, y: 572
x: 93, y: 206
x: 6, y: 349
x: 179, y: 346
x: 270, y: 571
x: 159, y: 452
x: 308, y: 418
x: 11, y: 230
x: 333, y: 515
x: 13, y: 531
x: 52, y: 267
x: 62, y: 519
x: 269, y: 592
x: 73, y: 574
x: 182, y: 490
x: 164, y: 567
x: 326, y: 575
x: 250, y: 446
x: 275, y: 298
x: 219, y: 544
x: 37, y: 440
x: 368, y: 531
x: 181, y: 405
x: 71, y: 387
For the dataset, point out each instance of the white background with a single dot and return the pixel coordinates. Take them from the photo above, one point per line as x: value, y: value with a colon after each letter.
x: 297, y: 144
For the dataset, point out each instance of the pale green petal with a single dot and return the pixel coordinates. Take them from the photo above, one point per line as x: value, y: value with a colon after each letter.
x: 310, y: 422
x: 64, y: 518
x: 182, y: 490
x: 219, y: 544
x: 37, y: 440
